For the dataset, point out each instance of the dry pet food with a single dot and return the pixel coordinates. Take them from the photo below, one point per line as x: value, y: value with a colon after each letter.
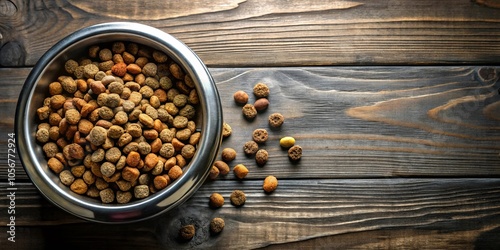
x: 240, y: 171
x: 187, y: 232
x: 250, y: 147
x: 270, y: 184
x: 238, y: 198
x: 228, y: 154
x: 295, y: 153
x: 261, y: 90
x: 216, y: 200
x: 226, y: 130
x: 261, y: 104
x: 216, y: 225
x: 287, y: 141
x: 119, y: 124
x: 276, y: 120
x: 249, y: 111
x: 240, y: 97
x: 261, y: 157
x: 260, y: 135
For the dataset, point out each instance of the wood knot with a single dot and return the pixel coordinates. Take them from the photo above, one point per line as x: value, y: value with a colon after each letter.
x: 12, y: 54
x: 487, y: 75
x: 7, y: 8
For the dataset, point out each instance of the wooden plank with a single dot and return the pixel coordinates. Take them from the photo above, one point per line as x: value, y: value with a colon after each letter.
x: 229, y: 33
x: 353, y: 122
x: 421, y: 213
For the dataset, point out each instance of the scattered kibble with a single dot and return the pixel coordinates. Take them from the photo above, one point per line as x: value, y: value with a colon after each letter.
x: 276, y: 120
x: 250, y: 147
x: 216, y: 200
x: 240, y: 171
x: 249, y: 111
x: 187, y: 232
x: 287, y: 141
x: 295, y: 153
x: 240, y: 97
x: 261, y: 157
x: 260, y: 135
x: 222, y: 166
x: 261, y: 104
x: 115, y: 125
x: 226, y: 130
x: 270, y: 184
x: 217, y: 225
x: 238, y: 198
x: 228, y: 154
x: 261, y: 90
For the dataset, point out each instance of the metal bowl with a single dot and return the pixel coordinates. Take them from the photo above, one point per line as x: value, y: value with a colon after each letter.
x: 46, y: 70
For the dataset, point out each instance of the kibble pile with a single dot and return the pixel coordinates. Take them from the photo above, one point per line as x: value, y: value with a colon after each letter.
x: 119, y: 123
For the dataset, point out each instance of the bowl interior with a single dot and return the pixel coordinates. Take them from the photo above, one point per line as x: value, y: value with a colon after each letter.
x: 75, y: 46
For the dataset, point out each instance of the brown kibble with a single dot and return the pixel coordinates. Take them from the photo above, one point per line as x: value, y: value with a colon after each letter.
x: 270, y: 184
x: 226, y: 130
x: 295, y: 153
x: 181, y: 162
x: 176, y: 71
x: 133, y: 159
x: 250, y: 147
x: 240, y: 97
x: 97, y: 135
x: 260, y: 135
x: 107, y: 195
x: 276, y: 120
x: 216, y: 225
x: 66, y: 177
x: 55, y: 165
x: 249, y: 111
x: 150, y: 161
x: 261, y: 157
x: 188, y: 151
x: 240, y: 171
x: 187, y: 232
x: 55, y: 88
x: 73, y: 151
x: 150, y: 69
x: 222, y: 166
x: 261, y: 104
x: 42, y: 135
x: 57, y: 101
x: 214, y: 173
x: 216, y: 200
x: 119, y: 69
x: 161, y: 181
x: 228, y: 154
x: 141, y: 191
x: 79, y: 186
x: 130, y: 174
x: 175, y: 172
x: 238, y: 198
x: 261, y: 90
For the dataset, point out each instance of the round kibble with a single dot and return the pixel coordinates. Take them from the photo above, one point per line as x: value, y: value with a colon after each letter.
x: 287, y: 142
x: 249, y: 111
x: 187, y: 232
x: 261, y: 90
x: 238, y: 198
x: 276, y: 120
x: 260, y: 135
x: 250, y: 147
x: 107, y: 195
x: 240, y: 97
x: 66, y: 177
x: 98, y: 135
x: 216, y: 225
x: 240, y: 171
x: 261, y: 157
x: 270, y: 184
x: 216, y: 200
x: 295, y: 153
x: 228, y: 154
x: 79, y: 186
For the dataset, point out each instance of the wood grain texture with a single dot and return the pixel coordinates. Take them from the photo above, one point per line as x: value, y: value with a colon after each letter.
x: 354, y: 122
x: 229, y: 33
x: 320, y: 214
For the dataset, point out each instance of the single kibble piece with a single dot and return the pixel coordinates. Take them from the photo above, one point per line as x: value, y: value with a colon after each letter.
x: 214, y: 173
x: 261, y: 104
x: 222, y: 166
x: 226, y: 130
x: 276, y: 120
x: 295, y: 153
x: 250, y: 147
x: 216, y: 200
x: 141, y: 191
x: 260, y: 135
x: 240, y: 97
x: 240, y: 171
x: 261, y: 90
x: 216, y: 225
x: 287, y: 141
x: 249, y: 111
x: 238, y: 198
x: 270, y: 184
x: 228, y: 154
x: 261, y: 157
x: 187, y: 232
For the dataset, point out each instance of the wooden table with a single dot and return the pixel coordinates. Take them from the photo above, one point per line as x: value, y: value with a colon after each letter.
x: 395, y: 103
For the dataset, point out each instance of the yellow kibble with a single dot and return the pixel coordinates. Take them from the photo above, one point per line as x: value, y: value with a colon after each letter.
x: 287, y: 141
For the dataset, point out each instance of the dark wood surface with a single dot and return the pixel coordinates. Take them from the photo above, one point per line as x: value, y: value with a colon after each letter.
x: 396, y: 104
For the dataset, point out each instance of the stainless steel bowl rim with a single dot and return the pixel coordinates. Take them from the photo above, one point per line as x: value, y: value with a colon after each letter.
x: 166, y: 199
